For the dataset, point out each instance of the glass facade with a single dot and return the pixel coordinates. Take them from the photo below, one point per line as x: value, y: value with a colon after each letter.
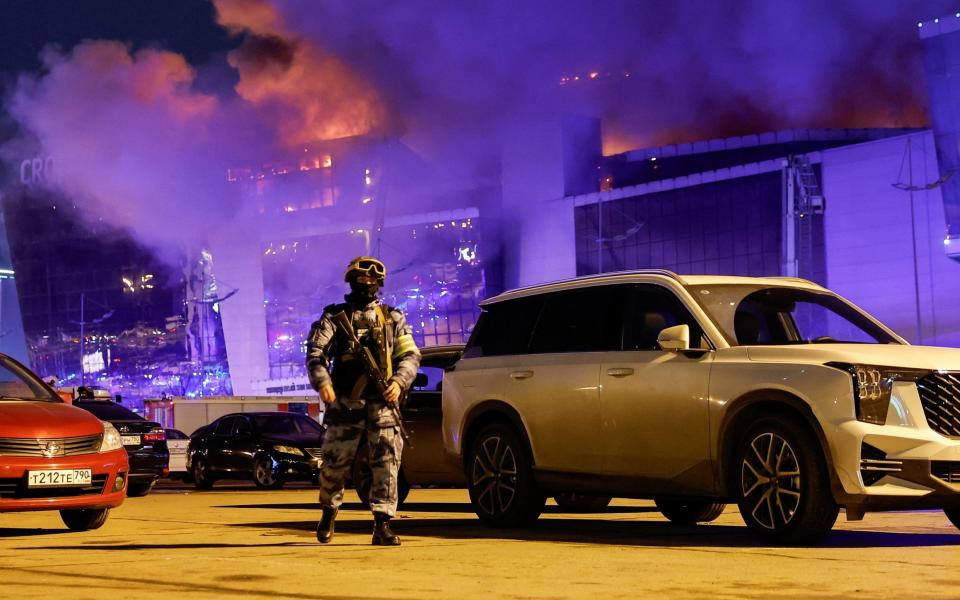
x: 435, y: 275
x: 132, y: 305
x: 731, y: 227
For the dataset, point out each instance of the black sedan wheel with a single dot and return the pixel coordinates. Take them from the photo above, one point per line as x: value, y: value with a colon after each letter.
x: 84, y: 519
x: 139, y: 489
x: 500, y: 478
x: 263, y: 474
x: 202, y: 477
x: 784, y: 483
x: 689, y: 511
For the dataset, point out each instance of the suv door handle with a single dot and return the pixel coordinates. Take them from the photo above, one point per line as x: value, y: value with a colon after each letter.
x: 620, y: 372
x: 521, y: 374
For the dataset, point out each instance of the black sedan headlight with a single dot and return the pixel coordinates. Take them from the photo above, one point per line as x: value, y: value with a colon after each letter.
x: 289, y: 450
x: 872, y: 386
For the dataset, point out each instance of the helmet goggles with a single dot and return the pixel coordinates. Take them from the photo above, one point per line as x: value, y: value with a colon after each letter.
x: 370, y: 267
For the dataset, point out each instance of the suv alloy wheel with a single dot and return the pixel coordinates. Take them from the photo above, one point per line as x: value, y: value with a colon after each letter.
x: 784, y: 486
x: 202, y: 477
x: 500, y: 479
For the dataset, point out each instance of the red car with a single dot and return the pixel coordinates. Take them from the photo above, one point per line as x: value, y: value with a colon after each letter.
x: 54, y: 456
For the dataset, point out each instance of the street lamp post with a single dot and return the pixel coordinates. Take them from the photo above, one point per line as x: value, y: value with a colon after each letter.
x: 83, y: 323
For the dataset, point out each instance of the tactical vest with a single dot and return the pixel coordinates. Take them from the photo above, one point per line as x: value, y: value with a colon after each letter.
x: 348, y: 375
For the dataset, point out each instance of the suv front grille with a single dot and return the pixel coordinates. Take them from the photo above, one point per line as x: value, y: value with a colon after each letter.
x: 940, y: 396
x: 70, y: 446
x: 16, y: 488
x: 947, y: 470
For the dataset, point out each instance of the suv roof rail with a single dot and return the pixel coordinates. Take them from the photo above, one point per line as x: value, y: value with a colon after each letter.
x: 797, y: 280
x: 596, y: 276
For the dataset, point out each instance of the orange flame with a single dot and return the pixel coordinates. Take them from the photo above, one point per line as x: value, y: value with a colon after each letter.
x: 311, y: 94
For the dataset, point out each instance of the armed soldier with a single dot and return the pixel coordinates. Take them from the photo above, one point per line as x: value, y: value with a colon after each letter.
x: 356, y: 404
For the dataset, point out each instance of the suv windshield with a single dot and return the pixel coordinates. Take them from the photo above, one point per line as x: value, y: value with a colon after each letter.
x: 286, y: 424
x: 750, y: 315
x: 16, y: 383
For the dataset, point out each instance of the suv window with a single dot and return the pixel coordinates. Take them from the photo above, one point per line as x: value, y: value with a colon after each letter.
x: 505, y: 328
x: 580, y: 320
x: 652, y: 309
x: 225, y: 427
x: 242, y: 426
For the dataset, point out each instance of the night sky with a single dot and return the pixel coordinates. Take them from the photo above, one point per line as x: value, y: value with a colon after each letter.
x: 184, y: 26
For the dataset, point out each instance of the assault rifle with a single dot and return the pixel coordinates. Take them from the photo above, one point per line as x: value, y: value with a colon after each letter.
x: 342, y: 321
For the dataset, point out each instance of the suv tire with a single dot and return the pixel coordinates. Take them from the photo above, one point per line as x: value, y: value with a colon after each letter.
x: 783, y: 484
x: 574, y: 502
x: 954, y: 515
x: 500, y: 479
x: 689, y: 511
x: 263, y: 475
x: 202, y: 476
x: 84, y: 519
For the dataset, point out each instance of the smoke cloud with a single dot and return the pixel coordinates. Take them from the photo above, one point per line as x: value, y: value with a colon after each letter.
x: 657, y: 71
x: 146, y: 147
x: 133, y: 142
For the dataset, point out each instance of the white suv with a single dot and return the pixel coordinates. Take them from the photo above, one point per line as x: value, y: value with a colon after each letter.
x: 774, y: 393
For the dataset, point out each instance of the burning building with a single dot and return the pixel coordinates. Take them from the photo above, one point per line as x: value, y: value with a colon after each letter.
x: 313, y: 210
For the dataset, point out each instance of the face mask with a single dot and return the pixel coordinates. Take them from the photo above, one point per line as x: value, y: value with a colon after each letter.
x: 366, y: 292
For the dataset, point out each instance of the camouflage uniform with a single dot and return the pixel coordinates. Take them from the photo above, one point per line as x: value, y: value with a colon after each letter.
x: 359, y: 406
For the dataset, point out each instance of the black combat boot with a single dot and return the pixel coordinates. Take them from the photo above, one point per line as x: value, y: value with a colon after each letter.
x: 325, y: 526
x: 382, y: 534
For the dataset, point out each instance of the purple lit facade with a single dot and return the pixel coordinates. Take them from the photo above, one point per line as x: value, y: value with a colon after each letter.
x: 313, y: 214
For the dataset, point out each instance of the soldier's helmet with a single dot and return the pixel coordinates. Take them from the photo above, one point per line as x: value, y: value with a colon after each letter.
x: 365, y: 266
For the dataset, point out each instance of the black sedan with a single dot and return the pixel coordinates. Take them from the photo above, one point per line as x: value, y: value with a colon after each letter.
x: 145, y: 442
x: 268, y: 447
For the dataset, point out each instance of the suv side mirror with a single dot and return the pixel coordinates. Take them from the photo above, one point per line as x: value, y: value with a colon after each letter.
x: 675, y: 339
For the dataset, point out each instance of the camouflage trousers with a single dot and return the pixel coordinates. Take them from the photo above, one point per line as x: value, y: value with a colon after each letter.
x: 340, y: 444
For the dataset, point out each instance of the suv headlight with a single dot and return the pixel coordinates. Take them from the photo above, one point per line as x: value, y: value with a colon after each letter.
x: 111, y: 438
x: 872, y: 386
x: 289, y: 450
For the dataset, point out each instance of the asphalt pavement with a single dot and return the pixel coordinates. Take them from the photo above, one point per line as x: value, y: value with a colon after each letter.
x: 237, y: 540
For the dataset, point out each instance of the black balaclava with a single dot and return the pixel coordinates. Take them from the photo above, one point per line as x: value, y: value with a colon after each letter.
x: 363, y: 293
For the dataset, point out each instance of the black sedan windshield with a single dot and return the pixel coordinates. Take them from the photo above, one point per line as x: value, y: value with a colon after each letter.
x: 108, y: 411
x: 750, y: 315
x: 286, y: 424
x: 16, y: 383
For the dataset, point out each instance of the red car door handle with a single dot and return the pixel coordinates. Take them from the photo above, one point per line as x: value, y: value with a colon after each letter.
x: 620, y: 372
x: 521, y: 374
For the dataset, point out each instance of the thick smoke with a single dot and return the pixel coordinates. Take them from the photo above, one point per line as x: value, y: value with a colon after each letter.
x: 135, y: 140
x: 131, y: 140
x: 666, y: 71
